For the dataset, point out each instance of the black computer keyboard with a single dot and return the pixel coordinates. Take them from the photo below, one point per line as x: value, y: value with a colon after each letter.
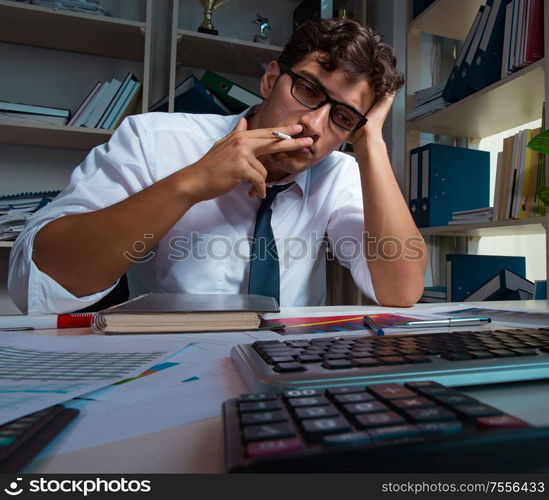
x: 418, y: 427
x: 22, y: 439
x: 452, y: 358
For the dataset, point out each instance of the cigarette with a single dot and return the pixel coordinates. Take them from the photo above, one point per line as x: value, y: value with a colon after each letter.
x: 281, y: 135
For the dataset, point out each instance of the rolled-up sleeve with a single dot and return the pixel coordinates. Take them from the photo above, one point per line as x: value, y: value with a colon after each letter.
x: 346, y: 227
x: 110, y: 173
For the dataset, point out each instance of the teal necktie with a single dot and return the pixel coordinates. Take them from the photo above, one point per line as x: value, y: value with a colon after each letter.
x: 264, y: 268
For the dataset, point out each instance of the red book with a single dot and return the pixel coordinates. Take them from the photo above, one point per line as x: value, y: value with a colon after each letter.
x: 534, y: 32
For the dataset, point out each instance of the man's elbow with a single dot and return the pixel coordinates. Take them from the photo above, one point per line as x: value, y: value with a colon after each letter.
x: 403, y: 297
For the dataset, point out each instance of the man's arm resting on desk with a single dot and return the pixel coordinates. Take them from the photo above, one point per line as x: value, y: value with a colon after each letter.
x: 397, y: 275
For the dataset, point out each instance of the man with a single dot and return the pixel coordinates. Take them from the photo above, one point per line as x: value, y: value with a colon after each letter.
x: 179, y: 201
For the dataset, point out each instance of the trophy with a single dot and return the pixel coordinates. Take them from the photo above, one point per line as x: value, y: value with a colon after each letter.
x: 263, y: 25
x: 209, y: 6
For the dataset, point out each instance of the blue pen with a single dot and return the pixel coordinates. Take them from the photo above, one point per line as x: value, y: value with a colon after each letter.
x: 372, y: 326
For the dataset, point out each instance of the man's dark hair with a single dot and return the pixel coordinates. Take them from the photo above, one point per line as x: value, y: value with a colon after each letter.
x: 355, y: 49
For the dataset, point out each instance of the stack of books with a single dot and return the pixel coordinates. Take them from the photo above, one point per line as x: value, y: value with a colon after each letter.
x: 107, y: 104
x: 433, y: 294
x: 15, y: 209
x: 520, y: 176
x: 426, y: 102
x: 34, y: 114
x: 506, y: 36
x: 471, y: 216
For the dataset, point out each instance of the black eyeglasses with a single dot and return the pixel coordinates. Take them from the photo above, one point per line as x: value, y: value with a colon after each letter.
x: 314, y: 97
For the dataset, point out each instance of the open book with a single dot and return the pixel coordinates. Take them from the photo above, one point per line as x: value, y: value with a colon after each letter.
x: 180, y: 313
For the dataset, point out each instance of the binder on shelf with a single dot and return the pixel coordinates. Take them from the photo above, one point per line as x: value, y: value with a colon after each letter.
x: 76, y: 115
x: 465, y: 273
x: 414, y: 186
x: 235, y: 97
x: 124, y: 106
x: 486, y: 66
x: 505, y: 285
x: 461, y: 88
x: 102, y: 103
x: 14, y: 107
x: 192, y: 96
x: 452, y: 179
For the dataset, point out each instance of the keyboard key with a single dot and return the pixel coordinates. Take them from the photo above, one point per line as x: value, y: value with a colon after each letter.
x: 334, y: 357
x: 456, y: 356
x: 393, y: 432
x: 504, y: 353
x: 309, y: 358
x: 298, y: 343
x: 365, y: 407
x: 317, y: 412
x: 263, y: 417
x: 337, y: 364
x: 316, y: 429
x: 365, y: 362
x: 379, y: 419
x: 476, y: 410
x: 426, y: 387
x: 265, y: 449
x: 525, y: 352
x: 271, y: 431
x: 392, y: 360
x: 348, y: 438
x: 353, y: 398
x: 247, y: 407
x: 482, y: 354
x: 500, y: 422
x: 391, y: 391
x: 311, y: 401
x: 289, y: 367
x: 435, y: 414
x: 417, y: 358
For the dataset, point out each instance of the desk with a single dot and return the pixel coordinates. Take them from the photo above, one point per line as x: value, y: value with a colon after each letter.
x: 198, y: 447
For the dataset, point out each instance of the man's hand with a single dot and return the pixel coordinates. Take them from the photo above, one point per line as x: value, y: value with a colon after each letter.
x: 234, y: 159
x: 376, y: 118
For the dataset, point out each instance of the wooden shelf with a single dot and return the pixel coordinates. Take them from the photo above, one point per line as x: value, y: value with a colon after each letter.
x: 6, y: 244
x: 533, y: 225
x: 13, y: 131
x: 447, y: 18
x: 222, y: 54
x: 508, y: 103
x: 86, y: 33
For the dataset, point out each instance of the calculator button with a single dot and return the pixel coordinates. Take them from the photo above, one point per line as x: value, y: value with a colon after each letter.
x: 454, y: 399
x: 268, y: 431
x: 500, y: 422
x: 393, y: 431
x: 317, y: 412
x: 312, y: 401
x: 279, y: 359
x: 353, y: 398
x: 435, y: 414
x: 477, y: 410
x: 365, y: 407
x: 348, y: 438
x: 427, y: 387
x: 379, y: 419
x: 315, y: 429
x: 264, y: 449
x: 309, y: 358
x: 409, y: 403
x: 259, y: 406
x: 264, y: 417
x: 441, y: 428
x: 346, y: 390
x: 302, y: 393
x: 259, y: 396
x: 391, y: 391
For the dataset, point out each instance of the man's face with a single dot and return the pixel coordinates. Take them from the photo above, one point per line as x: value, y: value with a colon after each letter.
x: 280, y: 108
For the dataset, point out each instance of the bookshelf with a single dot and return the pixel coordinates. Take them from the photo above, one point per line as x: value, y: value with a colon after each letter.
x: 89, y: 34
x: 508, y: 103
x: 6, y: 244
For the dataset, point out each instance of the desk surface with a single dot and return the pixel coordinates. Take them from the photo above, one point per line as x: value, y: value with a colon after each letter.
x: 197, y: 447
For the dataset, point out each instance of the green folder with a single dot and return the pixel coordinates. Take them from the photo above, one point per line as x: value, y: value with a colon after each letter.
x: 235, y: 97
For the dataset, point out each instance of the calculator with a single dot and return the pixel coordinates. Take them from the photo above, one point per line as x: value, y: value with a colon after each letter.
x: 22, y: 439
x: 416, y: 427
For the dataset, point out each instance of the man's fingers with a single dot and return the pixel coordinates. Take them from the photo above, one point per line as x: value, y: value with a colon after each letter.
x: 241, y: 125
x: 264, y: 147
x: 258, y: 182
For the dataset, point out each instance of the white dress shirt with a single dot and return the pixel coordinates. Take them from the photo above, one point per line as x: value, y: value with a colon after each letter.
x: 208, y: 249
